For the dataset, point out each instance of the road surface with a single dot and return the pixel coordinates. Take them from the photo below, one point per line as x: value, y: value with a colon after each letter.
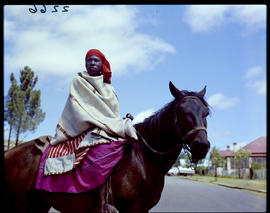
x: 183, y: 195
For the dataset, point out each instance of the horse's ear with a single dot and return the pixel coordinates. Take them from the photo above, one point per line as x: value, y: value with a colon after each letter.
x: 202, y: 92
x: 175, y: 92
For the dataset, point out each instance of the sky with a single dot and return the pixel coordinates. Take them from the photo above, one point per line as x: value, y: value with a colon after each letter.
x: 222, y: 47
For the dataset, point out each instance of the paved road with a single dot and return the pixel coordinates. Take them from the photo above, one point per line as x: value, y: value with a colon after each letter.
x: 182, y: 195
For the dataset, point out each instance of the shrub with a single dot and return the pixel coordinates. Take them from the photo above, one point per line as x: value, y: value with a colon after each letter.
x: 255, y: 165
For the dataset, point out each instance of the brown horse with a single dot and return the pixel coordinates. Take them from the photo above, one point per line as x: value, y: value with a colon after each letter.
x: 138, y: 179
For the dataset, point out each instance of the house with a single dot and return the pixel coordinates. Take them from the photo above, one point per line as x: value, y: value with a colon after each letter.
x: 258, y: 155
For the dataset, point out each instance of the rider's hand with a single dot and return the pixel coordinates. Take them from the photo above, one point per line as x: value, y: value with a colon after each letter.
x: 129, y: 116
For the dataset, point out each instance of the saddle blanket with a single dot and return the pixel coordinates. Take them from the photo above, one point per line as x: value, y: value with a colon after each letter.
x: 93, y: 170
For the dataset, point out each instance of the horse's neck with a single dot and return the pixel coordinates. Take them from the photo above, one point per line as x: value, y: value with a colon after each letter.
x: 159, y: 132
x: 158, y: 129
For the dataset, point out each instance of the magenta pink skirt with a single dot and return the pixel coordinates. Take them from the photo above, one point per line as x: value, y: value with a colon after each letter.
x: 92, y: 171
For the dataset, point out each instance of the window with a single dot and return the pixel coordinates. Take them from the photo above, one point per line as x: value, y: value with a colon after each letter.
x: 261, y: 161
x: 241, y: 164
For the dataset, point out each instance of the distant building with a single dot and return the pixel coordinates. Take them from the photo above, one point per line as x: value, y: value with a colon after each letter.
x: 258, y: 155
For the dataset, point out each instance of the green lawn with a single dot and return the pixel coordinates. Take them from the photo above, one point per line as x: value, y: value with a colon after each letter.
x: 258, y: 184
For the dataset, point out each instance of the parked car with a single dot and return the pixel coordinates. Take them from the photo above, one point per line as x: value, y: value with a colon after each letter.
x: 180, y: 171
x: 173, y: 171
x: 186, y: 171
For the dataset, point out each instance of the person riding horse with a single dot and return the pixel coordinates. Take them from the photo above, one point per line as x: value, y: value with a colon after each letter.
x: 91, y: 117
x: 136, y: 183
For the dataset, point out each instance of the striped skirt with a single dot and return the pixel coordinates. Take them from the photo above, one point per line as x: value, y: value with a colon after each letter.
x: 66, y: 156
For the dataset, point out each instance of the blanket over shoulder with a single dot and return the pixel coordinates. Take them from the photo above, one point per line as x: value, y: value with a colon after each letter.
x: 90, y: 117
x: 92, y: 104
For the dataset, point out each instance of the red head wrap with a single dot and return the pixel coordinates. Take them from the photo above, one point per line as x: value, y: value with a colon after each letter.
x: 106, y: 68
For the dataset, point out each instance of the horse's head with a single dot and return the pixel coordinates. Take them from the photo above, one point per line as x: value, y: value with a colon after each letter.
x: 190, y: 114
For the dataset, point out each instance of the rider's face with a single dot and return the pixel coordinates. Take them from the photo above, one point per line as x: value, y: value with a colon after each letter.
x: 93, y: 65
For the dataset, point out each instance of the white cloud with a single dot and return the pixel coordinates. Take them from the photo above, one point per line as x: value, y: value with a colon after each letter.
x: 252, y: 16
x: 204, y: 18
x: 56, y: 43
x: 259, y: 85
x: 256, y: 79
x: 142, y: 115
x: 254, y: 72
x: 219, y: 101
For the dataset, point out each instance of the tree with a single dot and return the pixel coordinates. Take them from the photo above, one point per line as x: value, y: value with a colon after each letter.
x: 199, y: 167
x: 241, y: 156
x: 255, y: 165
x: 180, y: 156
x: 25, y: 101
x: 184, y: 156
x: 9, y: 108
x: 216, y: 159
x: 188, y: 163
x: 177, y: 162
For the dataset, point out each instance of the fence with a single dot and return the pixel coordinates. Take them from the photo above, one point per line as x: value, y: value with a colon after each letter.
x: 259, y: 174
x: 244, y: 173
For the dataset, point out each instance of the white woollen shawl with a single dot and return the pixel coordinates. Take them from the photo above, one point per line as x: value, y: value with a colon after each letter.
x: 92, y: 103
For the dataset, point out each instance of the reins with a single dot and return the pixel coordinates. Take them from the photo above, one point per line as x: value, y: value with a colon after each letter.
x: 176, y: 148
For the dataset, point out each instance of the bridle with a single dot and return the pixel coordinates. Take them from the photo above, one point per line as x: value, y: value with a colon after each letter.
x: 184, y: 140
x: 186, y: 146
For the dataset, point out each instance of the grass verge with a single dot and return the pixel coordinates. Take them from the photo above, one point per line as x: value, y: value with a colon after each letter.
x: 257, y: 186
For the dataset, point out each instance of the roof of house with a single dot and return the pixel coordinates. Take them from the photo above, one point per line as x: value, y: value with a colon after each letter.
x: 257, y: 148
x: 226, y: 153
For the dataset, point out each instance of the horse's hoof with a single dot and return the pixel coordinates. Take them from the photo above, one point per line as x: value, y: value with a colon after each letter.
x: 108, y: 208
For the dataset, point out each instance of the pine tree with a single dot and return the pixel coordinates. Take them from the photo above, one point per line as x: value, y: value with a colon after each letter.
x: 9, y: 111
x: 27, y: 114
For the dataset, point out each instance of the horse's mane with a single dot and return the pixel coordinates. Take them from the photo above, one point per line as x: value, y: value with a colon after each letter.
x: 154, y: 120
